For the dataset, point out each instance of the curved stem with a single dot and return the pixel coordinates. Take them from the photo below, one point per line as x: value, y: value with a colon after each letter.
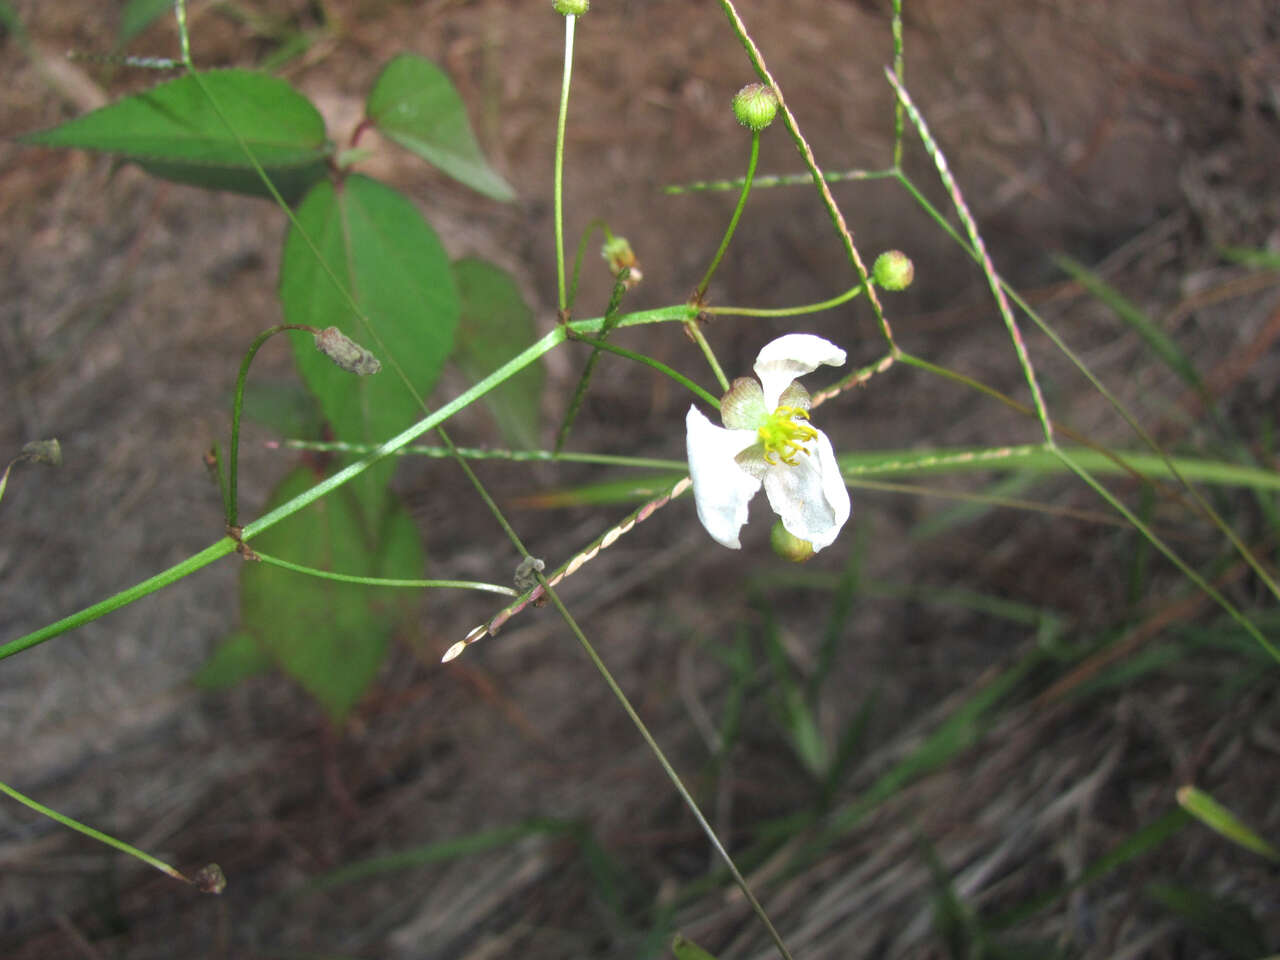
x: 237, y: 407
x: 658, y: 365
x: 385, y: 581
x: 787, y: 311
x: 569, y: 22
x: 695, y: 334
x: 701, y: 290
x: 98, y: 835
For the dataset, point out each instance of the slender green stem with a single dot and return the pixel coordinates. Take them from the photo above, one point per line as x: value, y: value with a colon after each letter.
x: 98, y: 835
x: 1169, y: 553
x: 701, y: 290
x: 975, y: 239
x: 787, y: 311
x: 667, y: 768
x: 806, y: 153
x: 899, y: 71
x: 237, y: 407
x: 385, y: 581
x: 569, y: 22
x: 184, y: 38
x: 914, y: 361
x: 778, y: 180
x: 694, y: 331
x: 658, y: 365
x: 214, y: 463
x: 1241, y: 547
x: 226, y: 545
x: 610, y: 321
x: 175, y: 573
x: 476, y: 453
x: 592, y: 227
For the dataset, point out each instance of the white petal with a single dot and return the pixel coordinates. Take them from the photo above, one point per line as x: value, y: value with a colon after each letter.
x: 721, y: 489
x: 791, y: 356
x: 810, y: 497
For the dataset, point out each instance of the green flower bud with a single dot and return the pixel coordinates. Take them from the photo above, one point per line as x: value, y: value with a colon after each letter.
x: 346, y: 353
x: 755, y: 106
x: 43, y: 451
x: 787, y: 545
x: 893, y: 270
x: 571, y: 8
x: 618, y: 254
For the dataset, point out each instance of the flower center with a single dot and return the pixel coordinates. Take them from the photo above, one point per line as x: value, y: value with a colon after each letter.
x: 784, y: 435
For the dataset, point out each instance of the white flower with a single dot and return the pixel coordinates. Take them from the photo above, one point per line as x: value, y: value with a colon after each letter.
x: 766, y: 439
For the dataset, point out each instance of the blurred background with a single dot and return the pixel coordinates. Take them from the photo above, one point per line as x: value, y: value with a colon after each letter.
x: 956, y: 733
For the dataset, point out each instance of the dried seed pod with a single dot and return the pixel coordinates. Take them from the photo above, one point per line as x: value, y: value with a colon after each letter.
x: 346, y: 353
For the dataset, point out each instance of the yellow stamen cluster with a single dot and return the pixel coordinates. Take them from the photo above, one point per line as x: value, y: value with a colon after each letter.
x: 784, y: 436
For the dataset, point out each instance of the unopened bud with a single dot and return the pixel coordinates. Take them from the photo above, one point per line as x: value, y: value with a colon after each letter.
x: 787, y: 545
x: 755, y: 106
x: 43, y: 451
x: 209, y: 879
x: 618, y: 255
x: 527, y: 572
x: 893, y: 270
x: 571, y: 8
x: 346, y: 353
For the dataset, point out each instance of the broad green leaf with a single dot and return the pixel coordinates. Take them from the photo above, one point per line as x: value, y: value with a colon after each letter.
x: 284, y: 406
x: 237, y: 658
x: 495, y: 322
x: 140, y: 14
x: 384, y: 254
x: 174, y: 132
x: 414, y: 103
x: 329, y: 636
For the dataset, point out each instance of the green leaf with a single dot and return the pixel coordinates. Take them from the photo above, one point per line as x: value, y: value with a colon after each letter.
x: 1228, y: 924
x: 329, y: 636
x: 495, y: 321
x: 174, y: 132
x: 415, y: 104
x: 283, y: 406
x: 140, y: 14
x: 686, y: 949
x: 10, y: 20
x: 1218, y: 818
x: 237, y: 658
x: 391, y: 262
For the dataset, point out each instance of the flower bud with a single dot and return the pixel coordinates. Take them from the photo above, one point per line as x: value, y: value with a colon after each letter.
x: 43, y: 451
x: 571, y: 8
x: 346, y: 353
x: 755, y: 106
x: 527, y: 572
x: 893, y: 270
x: 209, y: 879
x: 618, y: 255
x: 787, y: 545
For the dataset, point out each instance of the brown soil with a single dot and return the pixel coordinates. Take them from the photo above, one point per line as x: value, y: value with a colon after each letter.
x: 1135, y: 137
